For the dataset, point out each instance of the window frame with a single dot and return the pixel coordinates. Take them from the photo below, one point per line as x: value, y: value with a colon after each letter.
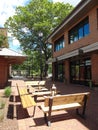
x: 81, y: 25
x: 59, y: 44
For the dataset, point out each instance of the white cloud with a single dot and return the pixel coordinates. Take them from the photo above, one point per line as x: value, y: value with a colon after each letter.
x: 7, y: 9
x: 16, y: 42
x: 72, y: 2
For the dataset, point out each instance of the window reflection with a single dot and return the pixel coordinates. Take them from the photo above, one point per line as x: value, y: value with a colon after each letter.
x: 79, y: 31
x: 59, y: 44
x: 80, y: 71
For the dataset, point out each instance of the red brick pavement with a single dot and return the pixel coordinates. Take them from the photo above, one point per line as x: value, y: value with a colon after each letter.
x: 62, y: 120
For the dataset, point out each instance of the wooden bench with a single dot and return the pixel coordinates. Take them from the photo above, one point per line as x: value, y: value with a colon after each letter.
x: 64, y: 102
x: 22, y: 90
x: 32, y: 83
x: 42, y: 93
x: 26, y: 99
x: 35, y: 83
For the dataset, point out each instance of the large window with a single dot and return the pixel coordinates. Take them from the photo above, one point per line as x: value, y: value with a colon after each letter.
x: 80, y: 71
x: 59, y: 44
x: 79, y: 31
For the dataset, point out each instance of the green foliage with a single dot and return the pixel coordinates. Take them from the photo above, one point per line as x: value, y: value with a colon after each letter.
x: 2, y: 104
x: 3, y: 41
x: 29, y: 20
x: 50, y: 69
x: 7, y: 91
x: 1, y: 115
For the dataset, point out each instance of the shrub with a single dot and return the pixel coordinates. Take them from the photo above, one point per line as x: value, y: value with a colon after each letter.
x: 7, y: 91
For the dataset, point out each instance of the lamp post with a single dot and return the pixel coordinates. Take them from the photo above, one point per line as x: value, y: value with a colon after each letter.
x: 40, y: 45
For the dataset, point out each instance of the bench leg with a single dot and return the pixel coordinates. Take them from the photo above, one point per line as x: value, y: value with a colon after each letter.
x: 80, y: 114
x: 49, y: 123
x: 35, y: 98
x: 34, y: 111
x: 45, y: 116
x: 47, y: 120
x: 84, y: 108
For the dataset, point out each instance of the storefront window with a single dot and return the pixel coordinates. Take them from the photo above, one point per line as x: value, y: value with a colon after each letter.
x: 80, y: 71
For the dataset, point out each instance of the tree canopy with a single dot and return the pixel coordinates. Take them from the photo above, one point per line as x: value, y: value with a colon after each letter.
x: 37, y: 16
x: 3, y: 38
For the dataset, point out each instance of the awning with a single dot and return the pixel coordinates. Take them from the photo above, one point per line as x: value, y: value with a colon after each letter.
x: 86, y: 49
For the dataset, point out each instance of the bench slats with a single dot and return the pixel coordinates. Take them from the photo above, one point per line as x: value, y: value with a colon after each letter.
x: 61, y: 107
x: 36, y: 83
x: 64, y: 102
x: 27, y: 101
x: 66, y: 99
x: 22, y: 91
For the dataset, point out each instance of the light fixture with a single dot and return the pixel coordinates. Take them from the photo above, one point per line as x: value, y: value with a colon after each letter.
x: 40, y: 34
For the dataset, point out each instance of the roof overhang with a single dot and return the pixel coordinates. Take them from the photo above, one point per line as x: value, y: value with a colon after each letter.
x: 12, y: 57
x: 80, y: 10
x: 15, y: 60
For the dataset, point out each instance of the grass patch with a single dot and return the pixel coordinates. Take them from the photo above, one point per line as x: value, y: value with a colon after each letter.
x: 3, y: 101
x: 2, y: 104
x: 7, y: 91
x: 1, y: 115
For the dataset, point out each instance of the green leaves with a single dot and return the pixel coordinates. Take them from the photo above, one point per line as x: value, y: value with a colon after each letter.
x: 3, y: 41
x: 38, y: 15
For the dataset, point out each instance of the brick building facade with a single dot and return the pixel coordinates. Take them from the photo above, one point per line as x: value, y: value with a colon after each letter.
x: 75, y: 45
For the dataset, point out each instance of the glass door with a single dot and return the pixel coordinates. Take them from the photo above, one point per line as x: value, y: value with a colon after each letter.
x: 80, y: 71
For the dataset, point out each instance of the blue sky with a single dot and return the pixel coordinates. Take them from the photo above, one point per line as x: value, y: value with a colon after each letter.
x: 7, y: 9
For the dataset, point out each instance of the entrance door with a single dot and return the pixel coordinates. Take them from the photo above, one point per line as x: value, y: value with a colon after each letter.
x: 80, y: 71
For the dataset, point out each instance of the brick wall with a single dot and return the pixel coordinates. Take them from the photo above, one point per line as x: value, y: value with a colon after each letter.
x: 3, y: 72
x: 90, y: 39
x: 94, y: 61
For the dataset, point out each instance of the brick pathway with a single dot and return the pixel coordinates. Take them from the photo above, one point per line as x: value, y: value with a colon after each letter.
x: 62, y: 120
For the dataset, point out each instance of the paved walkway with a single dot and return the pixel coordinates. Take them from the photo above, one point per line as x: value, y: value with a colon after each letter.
x: 62, y: 120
